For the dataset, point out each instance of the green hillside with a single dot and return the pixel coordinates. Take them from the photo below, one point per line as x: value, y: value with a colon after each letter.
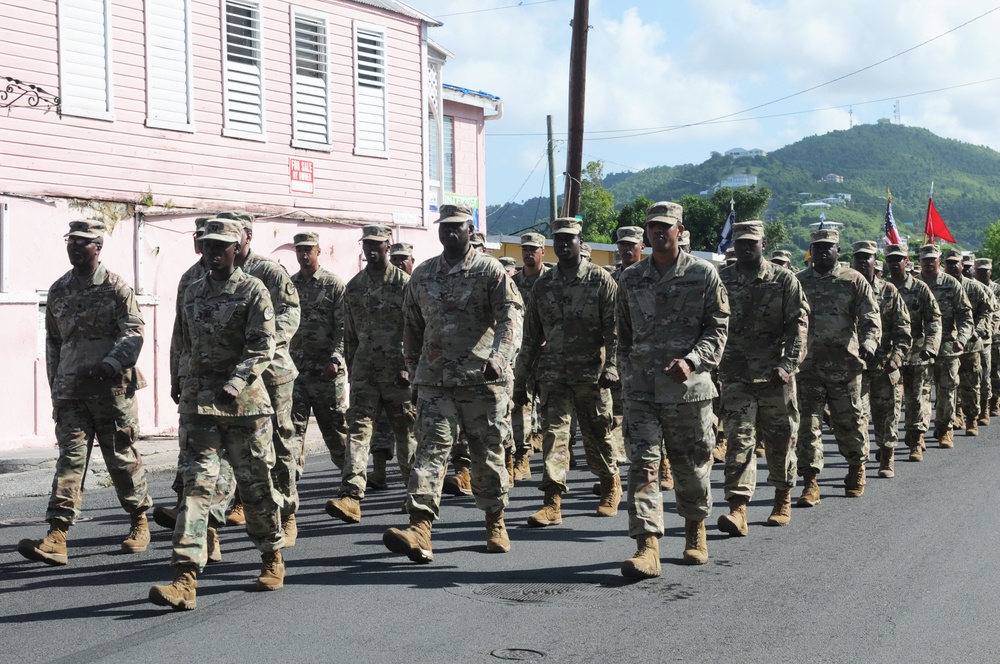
x: 869, y: 157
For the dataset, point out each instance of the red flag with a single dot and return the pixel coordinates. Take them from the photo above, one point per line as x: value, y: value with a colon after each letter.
x: 935, y: 226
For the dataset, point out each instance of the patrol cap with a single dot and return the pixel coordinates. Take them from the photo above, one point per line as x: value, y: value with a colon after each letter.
x: 86, y: 228
x: 781, y: 255
x: 376, y: 233
x: 532, y: 240
x: 199, y: 226
x: 730, y: 254
x: 631, y: 234
x: 665, y: 212
x: 245, y: 218
x: 983, y: 263
x: 864, y: 247
x: 401, y: 249
x: 567, y: 225
x: 879, y: 266
x: 222, y: 230
x: 507, y: 261
x: 308, y: 239
x: 585, y: 250
x: 748, y: 230
x: 454, y: 214
x: 969, y: 259
x: 894, y: 250
x: 684, y: 240
x: 953, y: 256
x: 929, y: 251
x: 478, y: 239
x: 828, y: 235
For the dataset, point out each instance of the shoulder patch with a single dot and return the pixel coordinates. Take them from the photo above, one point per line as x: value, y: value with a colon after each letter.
x: 268, y: 313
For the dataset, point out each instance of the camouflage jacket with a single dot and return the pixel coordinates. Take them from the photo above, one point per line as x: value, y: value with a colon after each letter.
x: 769, y: 324
x: 897, y: 338
x: 683, y: 313
x: 524, y: 285
x: 227, y: 336
x: 320, y: 337
x: 373, y: 325
x: 983, y: 310
x: 956, y: 312
x: 457, y: 318
x: 87, y: 321
x: 995, y: 289
x: 925, y: 319
x: 575, y: 320
x: 191, y: 275
x: 843, y: 318
x: 287, y: 314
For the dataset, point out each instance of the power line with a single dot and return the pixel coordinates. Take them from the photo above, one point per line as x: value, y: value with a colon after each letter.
x: 493, y: 9
x: 506, y: 206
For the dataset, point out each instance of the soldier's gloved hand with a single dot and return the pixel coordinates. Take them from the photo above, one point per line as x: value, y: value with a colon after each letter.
x: 491, y: 370
x: 891, y: 366
x: 607, y: 380
x: 403, y: 379
x: 100, y: 371
x: 520, y: 397
x: 958, y: 346
x: 778, y: 376
x: 175, y: 393
x: 331, y: 371
x: 227, y: 395
x: 679, y: 370
x: 973, y: 338
x: 925, y: 355
x: 866, y: 354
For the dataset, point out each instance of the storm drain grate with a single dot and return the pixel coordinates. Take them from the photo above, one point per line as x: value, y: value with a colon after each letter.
x: 544, y: 592
x: 517, y: 654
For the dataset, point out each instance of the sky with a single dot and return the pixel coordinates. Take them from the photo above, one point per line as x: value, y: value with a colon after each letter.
x: 670, y: 81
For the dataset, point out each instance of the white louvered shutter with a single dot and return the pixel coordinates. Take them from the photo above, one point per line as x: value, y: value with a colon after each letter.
x: 168, y: 63
x: 244, y: 68
x: 311, y: 81
x: 85, y: 58
x: 370, y: 120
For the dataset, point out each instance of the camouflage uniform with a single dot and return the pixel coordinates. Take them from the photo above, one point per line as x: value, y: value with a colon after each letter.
x: 574, y: 317
x: 995, y: 355
x: 319, y: 342
x: 373, y: 341
x: 843, y: 320
x: 523, y: 416
x: 970, y: 362
x: 768, y: 328
x: 682, y: 313
x: 90, y: 320
x: 457, y: 318
x: 227, y: 337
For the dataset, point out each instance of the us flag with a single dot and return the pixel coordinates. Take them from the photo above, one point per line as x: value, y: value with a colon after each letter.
x: 891, y: 234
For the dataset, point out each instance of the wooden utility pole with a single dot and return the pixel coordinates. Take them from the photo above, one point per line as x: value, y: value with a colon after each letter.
x: 577, y: 95
x: 552, y: 173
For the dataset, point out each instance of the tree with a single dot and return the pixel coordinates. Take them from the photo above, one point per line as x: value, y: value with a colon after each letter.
x: 597, y: 205
x: 634, y: 213
x: 706, y: 218
x: 775, y: 234
x: 991, y: 241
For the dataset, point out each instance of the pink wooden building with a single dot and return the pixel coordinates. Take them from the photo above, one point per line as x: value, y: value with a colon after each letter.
x: 313, y: 114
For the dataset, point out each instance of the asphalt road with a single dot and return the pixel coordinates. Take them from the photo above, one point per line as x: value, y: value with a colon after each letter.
x: 907, y: 573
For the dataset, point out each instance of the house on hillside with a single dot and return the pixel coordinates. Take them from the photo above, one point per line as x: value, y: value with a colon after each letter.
x: 831, y: 177
x: 317, y: 115
x: 740, y: 152
x: 733, y: 181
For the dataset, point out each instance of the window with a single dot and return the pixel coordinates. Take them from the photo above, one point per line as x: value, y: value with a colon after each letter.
x: 448, y: 124
x: 310, y: 81
x: 85, y: 58
x: 244, y: 71
x: 168, y: 65
x: 370, y: 126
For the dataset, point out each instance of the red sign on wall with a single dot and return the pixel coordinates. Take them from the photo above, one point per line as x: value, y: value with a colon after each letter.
x: 300, y: 174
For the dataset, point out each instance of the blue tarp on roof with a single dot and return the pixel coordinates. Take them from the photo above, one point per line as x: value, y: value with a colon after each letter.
x: 467, y: 91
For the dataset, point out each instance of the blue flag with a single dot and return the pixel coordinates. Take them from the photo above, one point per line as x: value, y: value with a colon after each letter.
x: 727, y: 232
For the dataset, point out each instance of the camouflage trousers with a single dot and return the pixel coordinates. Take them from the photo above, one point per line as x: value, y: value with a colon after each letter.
x: 367, y: 399
x: 522, y: 422
x: 114, y: 422
x: 383, y: 439
x: 684, y: 432
x: 225, y: 486
x: 289, y: 447
x: 882, y: 396
x: 916, y: 384
x: 327, y: 401
x: 945, y: 387
x: 841, y: 390
x: 970, y: 374
x: 985, y: 384
x: 593, y: 409
x: 479, y: 410
x: 995, y: 370
x: 773, y: 410
x: 247, y: 442
x: 618, y: 432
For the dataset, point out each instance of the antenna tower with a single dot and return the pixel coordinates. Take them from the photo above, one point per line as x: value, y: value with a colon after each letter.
x: 895, y: 111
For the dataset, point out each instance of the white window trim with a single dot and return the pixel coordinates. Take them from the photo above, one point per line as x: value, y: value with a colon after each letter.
x: 371, y: 27
x: 227, y: 131
x: 298, y: 143
x: 188, y: 126
x: 108, y: 53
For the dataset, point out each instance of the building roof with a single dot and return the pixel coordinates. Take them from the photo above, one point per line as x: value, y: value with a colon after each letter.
x: 397, y: 7
x: 467, y: 91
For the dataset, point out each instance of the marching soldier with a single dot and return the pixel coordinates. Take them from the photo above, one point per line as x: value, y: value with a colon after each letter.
x: 987, y: 392
x: 970, y: 364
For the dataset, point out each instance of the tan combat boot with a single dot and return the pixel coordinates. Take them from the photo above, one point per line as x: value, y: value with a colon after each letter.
x: 854, y: 483
x: 179, y: 595
x: 377, y: 481
x: 509, y: 459
x: 666, y: 476
x: 345, y: 508
x: 291, y: 529
x: 414, y: 542
x: 214, y: 548
x: 781, y: 513
x: 695, y: 543
x: 165, y: 517
x: 995, y: 406
x: 459, y: 484
x: 50, y: 550
x: 972, y: 429
x: 550, y: 514
x: 496, y: 534
x: 611, y: 495
x: 946, y: 439
x: 272, y: 571
x: 719, y: 451
x: 810, y: 490
x: 984, y: 418
x: 138, y: 535
x: 645, y: 564
x: 886, y: 464
x: 735, y: 523
x: 236, y: 516
x: 522, y: 467
x: 758, y: 449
